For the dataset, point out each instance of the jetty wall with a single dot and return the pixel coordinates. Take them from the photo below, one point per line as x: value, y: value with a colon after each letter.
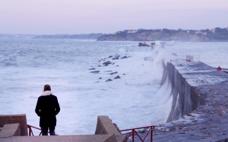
x: 186, y: 98
x: 199, y: 110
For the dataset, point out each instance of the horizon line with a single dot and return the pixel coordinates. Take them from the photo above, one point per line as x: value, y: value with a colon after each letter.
x: 90, y: 33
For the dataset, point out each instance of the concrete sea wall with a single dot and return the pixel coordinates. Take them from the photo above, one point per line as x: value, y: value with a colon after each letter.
x: 185, y: 97
x: 199, y: 109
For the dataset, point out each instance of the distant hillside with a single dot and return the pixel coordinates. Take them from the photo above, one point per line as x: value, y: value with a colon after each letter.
x: 216, y: 34
x: 71, y: 36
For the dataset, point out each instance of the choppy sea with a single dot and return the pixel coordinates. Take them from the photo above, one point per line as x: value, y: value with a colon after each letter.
x: 127, y: 89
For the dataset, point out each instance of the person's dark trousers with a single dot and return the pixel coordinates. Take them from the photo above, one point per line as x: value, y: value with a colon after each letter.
x: 52, y: 130
x: 47, y: 123
x: 44, y: 131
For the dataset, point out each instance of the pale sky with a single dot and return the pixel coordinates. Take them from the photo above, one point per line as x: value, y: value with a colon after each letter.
x: 92, y: 16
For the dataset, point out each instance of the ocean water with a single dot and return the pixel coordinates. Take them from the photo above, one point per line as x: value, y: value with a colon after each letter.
x: 135, y: 99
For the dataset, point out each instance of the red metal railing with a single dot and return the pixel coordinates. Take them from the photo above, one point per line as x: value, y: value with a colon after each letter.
x: 30, y: 130
x: 134, y: 133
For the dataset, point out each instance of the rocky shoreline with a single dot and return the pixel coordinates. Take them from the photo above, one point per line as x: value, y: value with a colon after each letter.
x: 105, y: 63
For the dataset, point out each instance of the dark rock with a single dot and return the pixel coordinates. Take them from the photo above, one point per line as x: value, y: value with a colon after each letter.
x: 100, y: 78
x: 94, y: 71
x: 117, y: 77
x: 124, y: 57
x: 152, y: 44
x: 113, y: 73
x: 108, y: 80
x: 143, y: 44
x: 92, y: 68
x: 107, y: 63
x: 116, y: 57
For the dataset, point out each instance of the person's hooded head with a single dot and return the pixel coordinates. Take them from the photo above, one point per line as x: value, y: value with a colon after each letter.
x: 47, y: 90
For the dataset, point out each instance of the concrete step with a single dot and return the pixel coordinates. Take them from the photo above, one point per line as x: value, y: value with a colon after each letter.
x: 78, y: 138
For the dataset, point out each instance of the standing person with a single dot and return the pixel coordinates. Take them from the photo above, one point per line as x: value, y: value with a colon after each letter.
x: 47, y: 108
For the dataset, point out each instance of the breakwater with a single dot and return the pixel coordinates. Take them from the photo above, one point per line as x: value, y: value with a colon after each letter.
x: 199, y: 109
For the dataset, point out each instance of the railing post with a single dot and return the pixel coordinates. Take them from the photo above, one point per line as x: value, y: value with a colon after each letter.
x: 151, y: 133
x: 133, y: 135
x: 30, y: 130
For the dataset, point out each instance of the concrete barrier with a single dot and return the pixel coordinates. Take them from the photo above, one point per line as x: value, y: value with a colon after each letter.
x: 9, y: 130
x: 105, y: 126
x: 17, y: 118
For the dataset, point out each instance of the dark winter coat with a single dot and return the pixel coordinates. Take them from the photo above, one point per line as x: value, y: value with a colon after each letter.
x: 47, y: 108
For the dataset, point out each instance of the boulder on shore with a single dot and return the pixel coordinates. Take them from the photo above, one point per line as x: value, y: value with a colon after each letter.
x: 95, y: 72
x: 106, y: 63
x: 108, y: 80
x: 117, y: 77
